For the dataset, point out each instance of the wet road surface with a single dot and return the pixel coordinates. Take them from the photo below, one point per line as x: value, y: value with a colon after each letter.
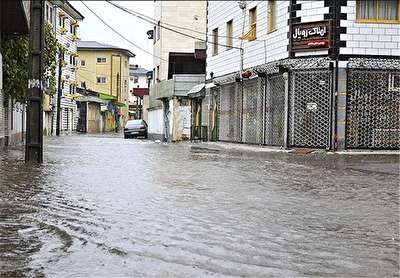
x: 104, y: 206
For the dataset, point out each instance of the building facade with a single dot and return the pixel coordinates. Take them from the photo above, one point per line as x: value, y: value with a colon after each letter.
x: 317, y: 74
x: 138, y: 92
x: 64, y: 19
x: 14, y: 21
x: 176, y: 67
x: 105, y: 69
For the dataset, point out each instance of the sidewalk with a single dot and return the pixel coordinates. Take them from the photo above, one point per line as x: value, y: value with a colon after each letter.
x: 220, y: 147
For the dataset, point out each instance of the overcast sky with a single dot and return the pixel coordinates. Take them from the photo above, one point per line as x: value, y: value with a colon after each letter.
x: 134, y: 29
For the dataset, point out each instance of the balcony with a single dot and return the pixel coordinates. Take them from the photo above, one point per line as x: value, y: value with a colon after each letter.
x: 178, y: 86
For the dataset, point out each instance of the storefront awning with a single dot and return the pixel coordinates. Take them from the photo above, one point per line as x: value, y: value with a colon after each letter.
x: 91, y: 99
x: 197, y: 91
x: 104, y: 96
x: 120, y: 104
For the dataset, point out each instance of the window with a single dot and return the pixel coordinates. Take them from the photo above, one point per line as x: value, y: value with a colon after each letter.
x: 101, y: 60
x: 83, y: 84
x: 383, y: 11
x: 101, y: 80
x: 71, y: 60
x: 215, y: 41
x: 83, y: 63
x: 158, y: 30
x: 229, y: 34
x: 158, y: 72
x: 271, y: 16
x: 47, y: 12
x: 61, y: 21
x: 51, y: 15
x: 154, y: 35
x: 135, y: 79
x: 253, y: 19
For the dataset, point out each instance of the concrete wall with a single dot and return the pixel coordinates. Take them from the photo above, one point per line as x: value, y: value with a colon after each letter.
x: 156, y: 123
x: 145, y: 107
x: 181, y: 120
x: 181, y: 14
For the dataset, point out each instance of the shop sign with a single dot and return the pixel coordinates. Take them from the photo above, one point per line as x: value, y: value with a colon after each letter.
x: 311, y: 36
x: 312, y: 106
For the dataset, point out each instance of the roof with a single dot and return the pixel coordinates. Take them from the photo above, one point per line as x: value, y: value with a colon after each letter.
x: 97, y: 46
x: 92, y: 99
x: 69, y: 9
x: 137, y: 70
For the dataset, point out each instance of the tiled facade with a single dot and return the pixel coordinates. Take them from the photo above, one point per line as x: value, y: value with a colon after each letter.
x: 332, y: 105
x: 69, y: 114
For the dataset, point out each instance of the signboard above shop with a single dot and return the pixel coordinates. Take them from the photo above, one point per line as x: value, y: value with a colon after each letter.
x: 311, y: 36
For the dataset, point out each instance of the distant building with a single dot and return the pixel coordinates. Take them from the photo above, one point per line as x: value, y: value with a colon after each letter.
x: 64, y: 19
x: 138, y: 92
x: 177, y: 68
x: 105, y: 69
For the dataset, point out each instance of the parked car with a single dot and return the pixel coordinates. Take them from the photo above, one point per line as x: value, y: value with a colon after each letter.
x: 135, y: 128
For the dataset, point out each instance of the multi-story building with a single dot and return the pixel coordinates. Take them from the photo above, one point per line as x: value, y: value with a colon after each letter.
x: 138, y: 92
x: 104, y: 69
x: 64, y: 19
x: 176, y: 67
x: 14, y: 21
x: 321, y: 74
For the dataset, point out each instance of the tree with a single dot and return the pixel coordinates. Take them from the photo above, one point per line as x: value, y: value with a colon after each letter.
x: 15, y: 51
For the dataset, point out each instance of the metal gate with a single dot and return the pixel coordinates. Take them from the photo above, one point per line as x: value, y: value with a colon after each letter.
x: 253, y: 103
x: 230, y: 113
x: 310, y: 108
x: 372, y: 113
x: 274, y: 109
x: 214, y: 117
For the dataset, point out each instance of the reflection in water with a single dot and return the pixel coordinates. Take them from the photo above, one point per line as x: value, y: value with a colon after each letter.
x: 106, y: 207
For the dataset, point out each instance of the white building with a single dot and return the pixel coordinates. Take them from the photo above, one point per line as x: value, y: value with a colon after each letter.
x: 138, y: 92
x: 317, y: 73
x: 176, y: 67
x: 65, y: 21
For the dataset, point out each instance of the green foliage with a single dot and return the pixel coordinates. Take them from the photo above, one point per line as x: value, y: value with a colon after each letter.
x: 15, y: 66
x: 51, y: 47
x: 15, y: 51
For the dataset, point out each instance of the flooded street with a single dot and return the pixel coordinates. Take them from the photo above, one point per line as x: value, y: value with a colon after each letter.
x: 105, y: 206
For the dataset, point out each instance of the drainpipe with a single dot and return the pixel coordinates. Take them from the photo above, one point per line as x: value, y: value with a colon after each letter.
x: 286, y: 120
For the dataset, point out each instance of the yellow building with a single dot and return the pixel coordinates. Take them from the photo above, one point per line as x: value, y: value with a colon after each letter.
x: 105, y: 69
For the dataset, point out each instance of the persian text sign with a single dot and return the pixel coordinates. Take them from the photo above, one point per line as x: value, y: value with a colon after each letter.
x: 311, y: 36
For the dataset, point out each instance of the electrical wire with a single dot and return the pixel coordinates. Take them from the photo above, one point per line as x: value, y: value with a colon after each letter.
x: 155, y: 22
x: 167, y: 28
x: 122, y: 36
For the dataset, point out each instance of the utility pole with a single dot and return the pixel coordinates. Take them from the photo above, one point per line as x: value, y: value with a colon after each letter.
x: 34, y: 120
x: 59, y: 91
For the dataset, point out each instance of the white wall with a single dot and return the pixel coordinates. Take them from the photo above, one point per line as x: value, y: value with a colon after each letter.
x: 180, y: 13
x: 156, y: 121
x: 368, y: 38
x: 255, y: 52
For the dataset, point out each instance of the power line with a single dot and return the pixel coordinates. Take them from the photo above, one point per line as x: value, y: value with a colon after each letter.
x: 175, y: 31
x: 122, y: 36
x: 172, y: 25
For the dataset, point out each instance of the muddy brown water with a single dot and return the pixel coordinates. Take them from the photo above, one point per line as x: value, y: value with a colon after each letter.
x: 101, y: 206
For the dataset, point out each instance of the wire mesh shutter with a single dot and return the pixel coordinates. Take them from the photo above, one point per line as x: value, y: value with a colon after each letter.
x: 310, y: 98
x: 230, y: 113
x: 372, y: 110
x: 274, y: 110
x: 253, y: 103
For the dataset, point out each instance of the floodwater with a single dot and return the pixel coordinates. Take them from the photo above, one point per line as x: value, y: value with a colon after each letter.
x: 105, y: 207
